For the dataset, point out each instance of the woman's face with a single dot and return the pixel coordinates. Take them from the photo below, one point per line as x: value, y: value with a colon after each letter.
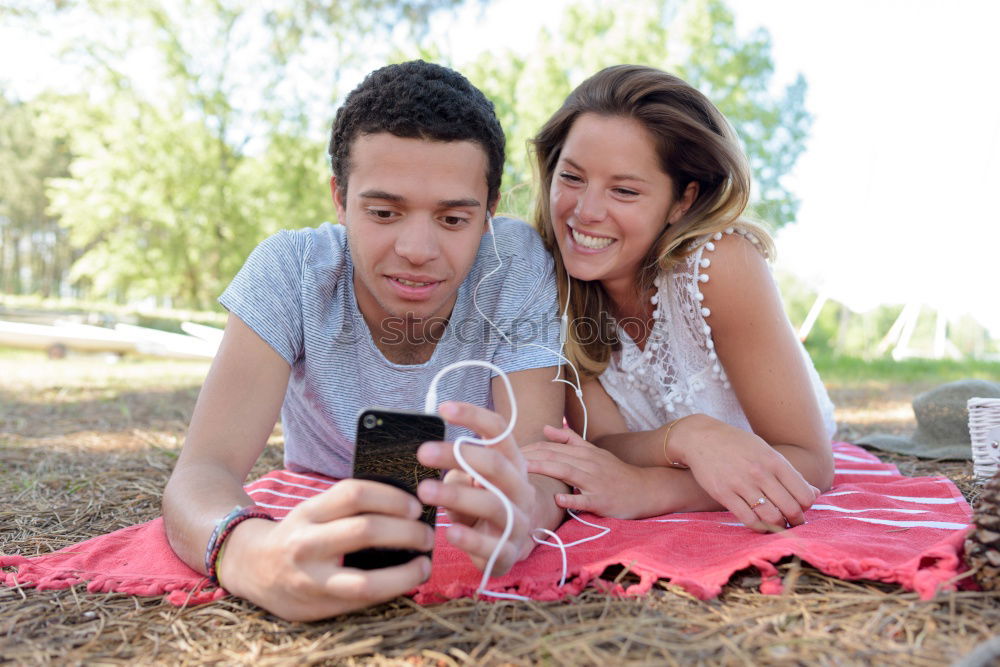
x: 609, y: 199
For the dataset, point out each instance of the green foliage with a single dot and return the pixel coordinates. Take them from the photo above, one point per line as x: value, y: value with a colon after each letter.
x: 736, y: 74
x: 33, y: 150
x: 288, y: 184
x: 697, y: 40
x: 182, y: 164
x: 153, y: 199
x: 176, y: 164
x: 838, y: 331
x: 850, y: 370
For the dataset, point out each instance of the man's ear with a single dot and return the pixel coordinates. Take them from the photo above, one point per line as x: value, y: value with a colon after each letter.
x: 338, y: 201
x: 491, y: 213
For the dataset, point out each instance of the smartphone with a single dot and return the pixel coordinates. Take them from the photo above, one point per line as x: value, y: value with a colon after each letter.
x: 386, y: 451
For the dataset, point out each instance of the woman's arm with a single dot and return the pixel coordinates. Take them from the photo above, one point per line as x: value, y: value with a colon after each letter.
x: 731, y: 470
x: 764, y: 363
x: 627, y: 475
x: 763, y: 359
x: 783, y: 460
x: 624, y: 475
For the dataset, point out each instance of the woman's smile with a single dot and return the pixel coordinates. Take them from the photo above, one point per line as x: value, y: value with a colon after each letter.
x: 589, y: 241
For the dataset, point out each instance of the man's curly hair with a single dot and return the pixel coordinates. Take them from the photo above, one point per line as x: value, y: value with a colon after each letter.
x: 418, y: 100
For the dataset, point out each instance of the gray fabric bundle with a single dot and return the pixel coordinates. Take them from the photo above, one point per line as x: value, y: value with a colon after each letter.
x: 942, y: 422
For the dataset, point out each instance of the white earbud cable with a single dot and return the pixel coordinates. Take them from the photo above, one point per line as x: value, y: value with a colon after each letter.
x: 563, y: 331
x: 430, y: 407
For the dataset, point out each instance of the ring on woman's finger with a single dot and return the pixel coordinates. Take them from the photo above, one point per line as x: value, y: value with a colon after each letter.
x: 757, y: 503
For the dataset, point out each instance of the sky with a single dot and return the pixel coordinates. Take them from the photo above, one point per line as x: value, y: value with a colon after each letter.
x: 897, y: 180
x: 897, y: 177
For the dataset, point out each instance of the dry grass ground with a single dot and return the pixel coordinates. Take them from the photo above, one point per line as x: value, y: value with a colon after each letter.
x: 86, y: 447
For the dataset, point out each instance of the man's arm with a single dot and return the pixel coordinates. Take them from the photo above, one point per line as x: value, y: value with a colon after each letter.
x: 235, y: 413
x: 292, y: 567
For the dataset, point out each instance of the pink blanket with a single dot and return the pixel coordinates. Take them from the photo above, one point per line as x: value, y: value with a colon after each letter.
x: 873, y: 524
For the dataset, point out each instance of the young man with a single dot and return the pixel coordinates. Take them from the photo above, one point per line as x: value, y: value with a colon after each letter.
x: 325, y: 322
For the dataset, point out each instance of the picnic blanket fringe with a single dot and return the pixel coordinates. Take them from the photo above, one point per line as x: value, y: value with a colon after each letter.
x: 178, y: 592
x: 874, y: 524
x: 182, y: 585
x: 933, y: 571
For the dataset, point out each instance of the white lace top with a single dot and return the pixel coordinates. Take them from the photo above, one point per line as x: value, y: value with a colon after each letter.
x: 679, y: 373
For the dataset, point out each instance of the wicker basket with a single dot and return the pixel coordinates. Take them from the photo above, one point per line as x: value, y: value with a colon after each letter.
x: 984, y: 431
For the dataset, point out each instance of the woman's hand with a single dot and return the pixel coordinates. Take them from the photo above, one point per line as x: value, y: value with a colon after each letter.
x: 478, y: 517
x: 739, y: 470
x: 608, y: 486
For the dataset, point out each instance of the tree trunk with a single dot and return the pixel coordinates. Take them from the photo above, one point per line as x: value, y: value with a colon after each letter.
x: 845, y: 320
x: 36, y: 256
x: 4, y: 246
x: 15, y: 264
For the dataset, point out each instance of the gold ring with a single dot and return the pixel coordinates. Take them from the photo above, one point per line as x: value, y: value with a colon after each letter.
x: 760, y: 501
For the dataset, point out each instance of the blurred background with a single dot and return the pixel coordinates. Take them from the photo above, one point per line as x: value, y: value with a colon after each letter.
x: 146, y: 146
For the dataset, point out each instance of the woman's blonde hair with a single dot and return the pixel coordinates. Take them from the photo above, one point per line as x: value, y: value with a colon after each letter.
x: 694, y: 142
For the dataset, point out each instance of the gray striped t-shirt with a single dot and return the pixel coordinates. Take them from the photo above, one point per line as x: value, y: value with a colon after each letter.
x: 296, y: 291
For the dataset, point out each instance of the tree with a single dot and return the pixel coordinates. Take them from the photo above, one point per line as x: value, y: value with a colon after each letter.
x: 202, y: 126
x: 34, y: 255
x: 696, y: 40
x: 147, y: 202
x: 188, y: 150
x: 736, y: 76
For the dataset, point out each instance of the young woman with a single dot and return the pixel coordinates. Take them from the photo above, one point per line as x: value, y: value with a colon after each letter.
x: 699, y: 397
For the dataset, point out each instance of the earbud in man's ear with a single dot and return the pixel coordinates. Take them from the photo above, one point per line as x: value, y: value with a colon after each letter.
x: 489, y: 222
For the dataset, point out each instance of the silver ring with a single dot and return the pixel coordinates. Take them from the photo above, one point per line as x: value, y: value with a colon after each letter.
x: 760, y: 501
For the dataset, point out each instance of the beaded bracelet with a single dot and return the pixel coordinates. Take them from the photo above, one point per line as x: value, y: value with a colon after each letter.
x: 223, y: 528
x: 666, y: 434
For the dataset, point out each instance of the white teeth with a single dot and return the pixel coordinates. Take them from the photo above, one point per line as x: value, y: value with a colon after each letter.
x: 587, y: 241
x: 410, y: 283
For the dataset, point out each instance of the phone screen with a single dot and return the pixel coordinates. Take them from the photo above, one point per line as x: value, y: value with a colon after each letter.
x: 386, y: 451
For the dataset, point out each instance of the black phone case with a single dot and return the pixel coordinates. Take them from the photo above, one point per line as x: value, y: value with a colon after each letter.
x: 386, y: 451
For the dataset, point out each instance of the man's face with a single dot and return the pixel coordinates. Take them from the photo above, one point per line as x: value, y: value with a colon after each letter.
x: 415, y: 212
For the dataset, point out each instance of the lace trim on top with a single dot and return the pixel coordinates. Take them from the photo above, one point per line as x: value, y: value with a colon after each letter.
x: 679, y: 372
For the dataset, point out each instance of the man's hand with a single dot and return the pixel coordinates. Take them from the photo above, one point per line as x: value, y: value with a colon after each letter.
x: 478, y: 517
x: 608, y: 486
x: 293, y: 568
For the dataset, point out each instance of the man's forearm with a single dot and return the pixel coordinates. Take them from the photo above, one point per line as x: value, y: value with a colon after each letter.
x: 195, y: 498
